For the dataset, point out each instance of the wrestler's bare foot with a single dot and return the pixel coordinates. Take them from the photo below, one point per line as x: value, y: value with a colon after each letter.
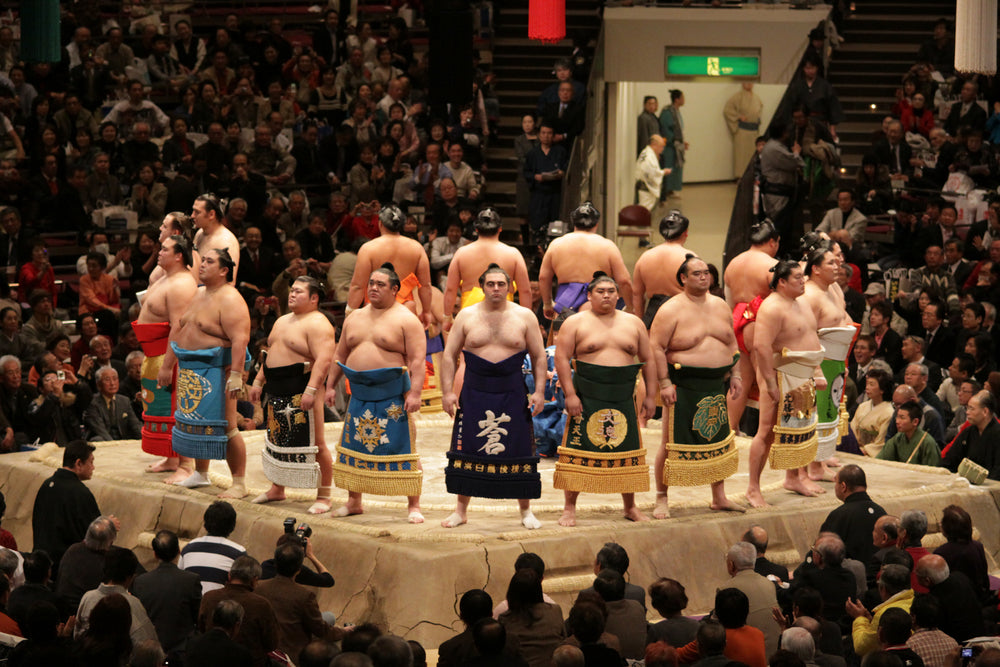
x: 802, y: 486
x: 833, y: 462
x: 529, y: 521
x: 756, y: 498
x: 349, y: 509
x: 454, y: 520
x: 235, y: 492
x: 568, y: 518
x: 193, y: 480
x: 179, y: 476
x: 415, y: 516
x: 168, y: 464
x: 633, y: 514
x: 727, y: 506
x: 662, y: 509
x: 818, y: 472
x: 272, y: 495
x: 321, y: 506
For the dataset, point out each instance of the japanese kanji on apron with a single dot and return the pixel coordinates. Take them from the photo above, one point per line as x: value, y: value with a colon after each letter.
x: 795, y: 429
x: 289, y: 454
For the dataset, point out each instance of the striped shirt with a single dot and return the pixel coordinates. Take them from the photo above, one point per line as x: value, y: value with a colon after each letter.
x: 210, y: 558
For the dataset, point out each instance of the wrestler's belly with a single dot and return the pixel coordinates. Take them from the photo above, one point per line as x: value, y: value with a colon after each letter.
x: 708, y: 353
x: 367, y: 356
x: 193, y: 338
x: 282, y: 355
x: 606, y: 357
x: 151, y: 314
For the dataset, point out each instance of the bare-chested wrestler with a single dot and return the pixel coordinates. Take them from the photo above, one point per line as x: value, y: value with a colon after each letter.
x: 164, y: 303
x: 788, y: 354
x: 836, y: 334
x: 300, y: 350
x: 208, y: 347
x: 574, y: 258
x: 407, y: 256
x: 212, y: 233
x: 175, y: 224
x: 602, y: 448
x: 382, y: 352
x: 748, y: 282
x: 695, y: 350
x: 655, y: 271
x: 492, y: 444
x: 470, y: 261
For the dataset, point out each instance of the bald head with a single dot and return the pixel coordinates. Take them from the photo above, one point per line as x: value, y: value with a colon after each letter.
x: 903, y: 393
x: 810, y: 625
x: 931, y: 570
x: 567, y: 656
x: 757, y: 536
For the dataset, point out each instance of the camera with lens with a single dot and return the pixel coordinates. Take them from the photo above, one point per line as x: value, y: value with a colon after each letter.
x: 302, y: 531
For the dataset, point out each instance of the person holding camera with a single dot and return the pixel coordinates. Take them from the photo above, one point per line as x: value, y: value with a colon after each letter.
x: 51, y: 417
x: 317, y: 576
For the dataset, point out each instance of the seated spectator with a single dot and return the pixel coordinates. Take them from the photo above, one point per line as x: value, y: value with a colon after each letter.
x: 448, y: 207
x: 461, y: 173
x: 799, y: 642
x: 129, y: 112
x: 13, y: 341
x: 296, y: 218
x: 563, y: 70
x: 888, y: 343
x: 84, y: 563
x: 361, y: 123
x: 137, y: 151
x: 917, y: 374
x: 119, y: 572
x: 871, y: 420
x: 895, y: 592
x: 309, y: 165
x: 42, y: 326
x: 164, y: 70
x: 217, y: 645
x: 99, y: 292
x: 894, y: 152
x: 354, y: 72
x: 932, y: 422
x: 827, y: 574
x: 404, y: 132
x: 43, y: 644
x: 930, y: 644
x: 427, y: 176
x: 537, y: 625
x: 110, y: 415
x: 275, y: 165
x: 730, y: 634
x: 626, y: 618
x: 16, y: 397
x: 586, y: 622
x: 917, y: 117
x: 965, y: 112
x: 873, y: 187
x: 961, y: 616
x: 567, y: 116
x: 961, y: 552
x: 107, y: 640
x: 443, y: 249
x: 966, y: 390
x: 474, y: 606
x: 51, y: 417
x: 975, y: 161
x: 170, y: 595
x: 34, y: 590
x: 212, y: 555
x: 845, y: 224
x: 316, y: 244
x: 367, y: 179
x: 258, y: 630
x: 911, y: 443
x: 118, y: 264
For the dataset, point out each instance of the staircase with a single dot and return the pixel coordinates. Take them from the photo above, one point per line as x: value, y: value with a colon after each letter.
x: 882, y: 39
x: 523, y: 70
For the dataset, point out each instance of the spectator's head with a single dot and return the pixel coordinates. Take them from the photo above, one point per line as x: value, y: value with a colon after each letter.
x: 393, y: 651
x: 110, y: 622
x: 359, y: 639
x: 245, y: 570
x: 932, y: 572
x: 893, y: 579
x: 228, y: 616
x: 166, y: 546
x: 741, y: 556
x: 667, y: 597
x: 757, y: 536
x: 119, y: 567
x: 731, y: 608
x: 475, y: 604
x: 886, y: 531
x: 956, y: 524
x: 37, y: 567
x: 107, y: 381
x: 878, y: 385
x: 147, y: 653
x: 981, y: 410
x: 610, y: 585
x: 524, y: 591
x: 586, y: 622
x: 849, y: 479
x: 828, y: 551
x: 78, y: 456
x: 220, y: 519
x: 545, y: 133
x: 800, y: 642
x: 136, y: 91
x: 660, y: 654
x: 317, y: 653
x: 568, y: 655
x: 288, y: 559
x: 612, y: 556
x: 101, y: 534
x: 894, y: 627
x: 845, y: 200
x: 711, y: 637
x: 925, y: 612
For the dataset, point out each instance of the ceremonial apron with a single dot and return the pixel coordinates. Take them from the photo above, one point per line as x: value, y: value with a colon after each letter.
x: 376, y: 453
x: 602, y: 448
x: 837, y: 342
x: 201, y: 426
x: 795, y: 429
x: 492, y: 442
x: 158, y: 403
x: 289, y: 454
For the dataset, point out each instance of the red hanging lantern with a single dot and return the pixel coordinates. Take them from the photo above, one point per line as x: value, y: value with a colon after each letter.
x: 547, y: 20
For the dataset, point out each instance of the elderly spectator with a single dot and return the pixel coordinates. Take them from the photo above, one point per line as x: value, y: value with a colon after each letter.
x: 136, y: 108
x: 669, y: 599
x: 35, y: 589
x: 217, y: 645
x: 13, y: 341
x: 264, y: 158
x: 961, y: 552
x: 443, y: 249
x: 258, y: 631
x: 83, y: 563
x: 760, y: 593
x: 961, y: 618
x: 895, y: 592
x: 977, y: 441
x: 854, y: 520
x: 51, y: 416
x: 110, y: 415
x: 172, y: 596
x: 211, y: 555
x: 15, y: 398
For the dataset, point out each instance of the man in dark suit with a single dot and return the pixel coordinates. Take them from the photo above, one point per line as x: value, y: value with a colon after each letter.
x: 15, y: 397
x: 330, y: 44
x: 890, y: 344
x: 259, y: 628
x: 854, y: 521
x: 294, y: 606
x: 170, y: 595
x: 966, y: 112
x: 474, y: 606
x: 566, y: 115
x: 757, y: 536
x: 954, y: 259
x: 309, y: 164
x: 913, y: 353
x: 939, y: 340
x: 110, y: 415
x: 893, y: 151
x: 217, y: 648
x: 258, y: 266
x: 960, y: 608
x: 15, y: 241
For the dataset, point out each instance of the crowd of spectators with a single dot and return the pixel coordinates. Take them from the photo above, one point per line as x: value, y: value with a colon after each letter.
x: 866, y: 590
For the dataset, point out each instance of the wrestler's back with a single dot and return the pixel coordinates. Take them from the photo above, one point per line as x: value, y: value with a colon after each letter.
x: 496, y: 335
x: 747, y: 276
x: 403, y: 253
x: 221, y: 237
x: 703, y: 332
x: 201, y: 324
x: 472, y: 260
x: 657, y: 269
x: 575, y: 257
x: 610, y: 340
x: 374, y: 338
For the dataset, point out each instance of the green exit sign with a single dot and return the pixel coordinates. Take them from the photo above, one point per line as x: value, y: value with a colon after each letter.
x: 713, y: 66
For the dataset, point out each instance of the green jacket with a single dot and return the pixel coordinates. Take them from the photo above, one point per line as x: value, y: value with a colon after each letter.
x: 899, y: 448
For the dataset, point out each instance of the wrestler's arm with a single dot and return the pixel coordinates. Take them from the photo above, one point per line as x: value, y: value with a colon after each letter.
x: 362, y: 271
x: 638, y: 289
x: 340, y: 355
x: 449, y: 362
x: 522, y: 281
x: 645, y: 355
x: 452, y: 286
x: 424, y: 291
x: 735, y: 375
x: 256, y: 388
x: 621, y: 275
x: 545, y: 275
x: 233, y: 245
x: 235, y: 321
x: 564, y: 369
x: 765, y: 331
x: 416, y: 359
x: 321, y: 339
x: 539, y: 365
x: 196, y: 254
x: 660, y: 334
